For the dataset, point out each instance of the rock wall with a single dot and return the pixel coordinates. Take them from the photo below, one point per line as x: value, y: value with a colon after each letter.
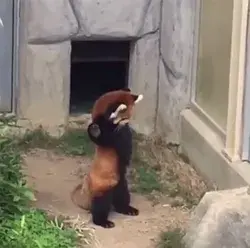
x: 56, y: 21
x: 176, y: 50
x: 46, y: 86
x: 161, y: 36
x: 144, y: 79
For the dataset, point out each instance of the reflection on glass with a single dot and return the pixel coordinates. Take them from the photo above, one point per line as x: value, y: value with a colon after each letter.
x: 214, y: 58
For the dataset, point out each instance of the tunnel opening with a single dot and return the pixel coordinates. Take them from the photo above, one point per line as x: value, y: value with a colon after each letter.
x: 97, y: 67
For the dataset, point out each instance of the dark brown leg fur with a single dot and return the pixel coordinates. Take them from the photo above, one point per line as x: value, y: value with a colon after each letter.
x: 100, y: 209
x: 121, y: 199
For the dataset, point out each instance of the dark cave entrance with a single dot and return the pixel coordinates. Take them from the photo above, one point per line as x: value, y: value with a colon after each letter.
x: 96, y: 67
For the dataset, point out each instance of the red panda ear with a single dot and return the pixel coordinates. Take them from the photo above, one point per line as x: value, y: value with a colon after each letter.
x: 137, y: 98
x: 94, y: 130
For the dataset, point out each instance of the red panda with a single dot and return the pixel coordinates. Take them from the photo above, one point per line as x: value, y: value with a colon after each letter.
x: 105, y: 185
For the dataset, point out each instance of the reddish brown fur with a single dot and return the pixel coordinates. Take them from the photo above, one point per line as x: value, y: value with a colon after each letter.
x: 104, y: 168
x: 103, y: 173
x: 101, y: 177
x: 102, y: 104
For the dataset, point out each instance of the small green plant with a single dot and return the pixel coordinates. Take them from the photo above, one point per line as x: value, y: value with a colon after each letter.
x: 76, y: 142
x: 155, y: 175
x: 37, y: 138
x: 20, y: 226
x: 14, y: 194
x: 34, y: 230
x: 146, y: 180
x: 171, y: 239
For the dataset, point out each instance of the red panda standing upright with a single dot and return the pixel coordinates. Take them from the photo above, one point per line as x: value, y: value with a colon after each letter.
x: 109, y: 130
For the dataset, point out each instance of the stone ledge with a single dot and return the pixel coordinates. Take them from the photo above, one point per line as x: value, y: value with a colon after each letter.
x: 204, y: 149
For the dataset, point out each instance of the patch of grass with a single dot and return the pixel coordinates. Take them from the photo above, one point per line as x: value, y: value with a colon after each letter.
x: 145, y: 178
x: 171, y: 239
x: 76, y: 142
x: 20, y: 226
x: 37, y: 138
x: 33, y: 229
x: 146, y: 181
x: 72, y: 142
x: 14, y: 194
x: 155, y: 175
x: 190, y: 201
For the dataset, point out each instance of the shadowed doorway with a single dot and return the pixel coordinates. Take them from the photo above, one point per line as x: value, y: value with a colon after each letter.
x: 96, y: 67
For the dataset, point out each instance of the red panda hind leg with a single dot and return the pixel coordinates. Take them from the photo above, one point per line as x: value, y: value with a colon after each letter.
x: 100, y: 209
x: 121, y: 199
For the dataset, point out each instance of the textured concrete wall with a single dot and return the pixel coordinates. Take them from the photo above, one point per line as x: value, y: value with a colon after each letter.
x: 45, y: 84
x: 176, y: 50
x: 144, y: 79
x: 161, y: 32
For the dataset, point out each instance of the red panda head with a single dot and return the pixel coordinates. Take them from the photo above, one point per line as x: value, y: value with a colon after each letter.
x: 117, y: 104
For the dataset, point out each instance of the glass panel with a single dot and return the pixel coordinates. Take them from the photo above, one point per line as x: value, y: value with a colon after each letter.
x: 214, y: 58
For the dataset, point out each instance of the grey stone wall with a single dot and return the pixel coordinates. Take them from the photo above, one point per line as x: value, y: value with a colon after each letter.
x: 161, y: 34
x: 176, y: 50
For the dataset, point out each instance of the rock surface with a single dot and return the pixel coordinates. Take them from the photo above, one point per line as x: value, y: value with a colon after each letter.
x: 110, y: 18
x: 177, y: 36
x: 222, y: 219
x: 45, y: 94
x: 106, y: 19
x: 144, y: 80
x: 151, y: 18
x: 176, y: 50
x: 171, y: 102
x: 50, y: 21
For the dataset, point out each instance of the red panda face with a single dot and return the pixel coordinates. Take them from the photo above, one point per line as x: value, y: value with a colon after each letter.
x: 124, y: 111
x: 121, y: 102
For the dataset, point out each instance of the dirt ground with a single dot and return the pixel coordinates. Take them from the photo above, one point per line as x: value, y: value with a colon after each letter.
x: 54, y: 176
